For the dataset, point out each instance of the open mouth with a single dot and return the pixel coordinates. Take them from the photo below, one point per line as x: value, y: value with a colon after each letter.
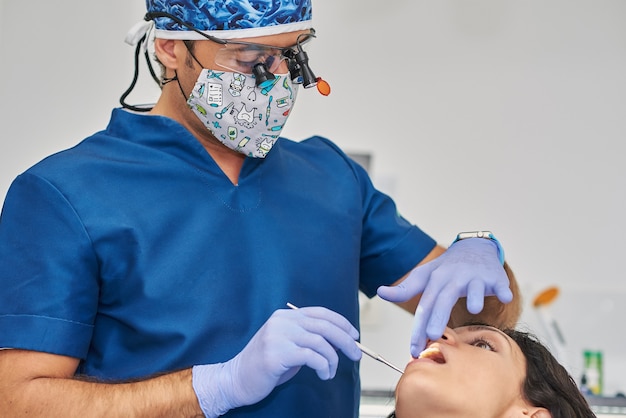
x: 433, y: 353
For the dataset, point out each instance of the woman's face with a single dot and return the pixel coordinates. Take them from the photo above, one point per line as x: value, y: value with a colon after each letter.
x: 472, y: 371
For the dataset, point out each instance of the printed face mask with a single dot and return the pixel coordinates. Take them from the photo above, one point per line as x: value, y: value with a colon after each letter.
x: 242, y: 116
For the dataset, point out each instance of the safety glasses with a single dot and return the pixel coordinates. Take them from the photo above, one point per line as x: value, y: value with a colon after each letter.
x: 260, y: 60
x: 241, y: 57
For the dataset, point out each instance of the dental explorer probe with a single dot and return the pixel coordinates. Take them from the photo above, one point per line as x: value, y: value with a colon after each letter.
x: 365, y: 350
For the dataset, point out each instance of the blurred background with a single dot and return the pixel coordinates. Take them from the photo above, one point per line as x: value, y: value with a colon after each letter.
x: 485, y: 114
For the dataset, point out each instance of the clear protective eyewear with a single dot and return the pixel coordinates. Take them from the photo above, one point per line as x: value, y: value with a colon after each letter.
x: 241, y: 57
x: 261, y: 60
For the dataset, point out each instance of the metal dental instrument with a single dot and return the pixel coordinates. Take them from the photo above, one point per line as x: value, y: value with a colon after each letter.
x: 366, y: 350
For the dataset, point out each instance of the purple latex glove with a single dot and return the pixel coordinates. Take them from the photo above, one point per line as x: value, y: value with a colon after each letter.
x: 288, y: 340
x: 470, y: 267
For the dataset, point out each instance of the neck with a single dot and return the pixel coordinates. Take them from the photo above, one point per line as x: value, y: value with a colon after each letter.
x: 172, y: 106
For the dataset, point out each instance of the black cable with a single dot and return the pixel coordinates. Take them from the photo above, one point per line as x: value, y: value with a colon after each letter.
x: 134, y: 82
x: 152, y: 73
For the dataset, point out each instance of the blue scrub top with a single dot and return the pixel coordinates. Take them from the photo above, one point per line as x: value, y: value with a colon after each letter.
x: 133, y: 252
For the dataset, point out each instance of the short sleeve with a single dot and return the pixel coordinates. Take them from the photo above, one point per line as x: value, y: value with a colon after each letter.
x: 48, y: 272
x: 391, y: 246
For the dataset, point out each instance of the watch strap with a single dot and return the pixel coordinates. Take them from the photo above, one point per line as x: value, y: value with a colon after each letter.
x: 482, y: 234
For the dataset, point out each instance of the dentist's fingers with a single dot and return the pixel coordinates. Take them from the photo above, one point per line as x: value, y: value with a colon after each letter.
x: 412, y: 285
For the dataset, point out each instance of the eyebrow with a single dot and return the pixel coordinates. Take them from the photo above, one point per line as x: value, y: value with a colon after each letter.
x: 492, y: 329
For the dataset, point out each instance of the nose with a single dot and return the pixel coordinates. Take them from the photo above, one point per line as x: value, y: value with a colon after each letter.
x: 283, y: 67
x: 448, y: 337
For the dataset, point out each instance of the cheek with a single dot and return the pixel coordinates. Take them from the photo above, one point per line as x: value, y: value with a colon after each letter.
x: 490, y: 389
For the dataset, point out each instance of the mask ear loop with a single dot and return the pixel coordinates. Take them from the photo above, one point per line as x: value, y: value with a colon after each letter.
x: 175, y: 78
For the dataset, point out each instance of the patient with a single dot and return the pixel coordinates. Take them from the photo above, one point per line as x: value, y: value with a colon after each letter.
x: 482, y: 372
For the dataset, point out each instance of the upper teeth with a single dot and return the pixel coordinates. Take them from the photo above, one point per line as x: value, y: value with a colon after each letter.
x: 430, y: 352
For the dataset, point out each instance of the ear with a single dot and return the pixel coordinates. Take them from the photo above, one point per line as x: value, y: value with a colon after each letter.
x: 537, y: 412
x: 165, y: 50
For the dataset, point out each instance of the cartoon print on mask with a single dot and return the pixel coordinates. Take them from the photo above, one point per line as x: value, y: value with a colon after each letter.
x: 268, y: 111
x: 266, y: 145
x: 201, y: 90
x: 267, y: 89
x: 201, y: 110
x: 282, y: 102
x: 242, y: 143
x: 214, y: 74
x: 252, y: 94
x: 220, y: 114
x: 251, y: 122
x: 214, y: 97
x: 245, y: 117
x: 232, y: 133
x: 287, y: 87
x: 214, y: 94
x: 236, y: 86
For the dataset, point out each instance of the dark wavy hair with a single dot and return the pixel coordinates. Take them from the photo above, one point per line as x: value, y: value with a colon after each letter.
x: 547, y: 383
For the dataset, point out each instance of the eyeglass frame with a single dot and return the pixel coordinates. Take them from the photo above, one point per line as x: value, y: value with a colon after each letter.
x: 286, y: 53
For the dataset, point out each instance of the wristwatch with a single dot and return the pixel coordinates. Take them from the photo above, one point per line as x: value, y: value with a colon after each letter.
x: 482, y: 234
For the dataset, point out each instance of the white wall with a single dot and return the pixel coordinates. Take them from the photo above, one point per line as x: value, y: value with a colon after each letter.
x: 497, y: 114
x: 64, y: 66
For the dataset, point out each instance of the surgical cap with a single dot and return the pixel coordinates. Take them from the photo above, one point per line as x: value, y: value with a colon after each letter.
x: 229, y: 19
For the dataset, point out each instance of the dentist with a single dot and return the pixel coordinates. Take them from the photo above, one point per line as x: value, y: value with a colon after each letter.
x: 144, y: 271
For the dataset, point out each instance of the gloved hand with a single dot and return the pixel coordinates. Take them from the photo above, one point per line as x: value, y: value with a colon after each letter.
x: 470, y: 267
x: 288, y: 340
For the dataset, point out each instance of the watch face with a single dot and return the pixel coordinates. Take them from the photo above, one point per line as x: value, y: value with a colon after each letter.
x: 475, y: 234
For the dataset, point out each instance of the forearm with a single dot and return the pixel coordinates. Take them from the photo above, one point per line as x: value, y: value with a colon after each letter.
x: 168, y: 395
x: 39, y: 384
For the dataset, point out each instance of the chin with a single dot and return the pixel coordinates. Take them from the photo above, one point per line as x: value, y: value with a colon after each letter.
x: 416, y: 397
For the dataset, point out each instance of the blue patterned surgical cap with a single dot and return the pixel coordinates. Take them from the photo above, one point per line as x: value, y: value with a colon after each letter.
x: 230, y: 18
